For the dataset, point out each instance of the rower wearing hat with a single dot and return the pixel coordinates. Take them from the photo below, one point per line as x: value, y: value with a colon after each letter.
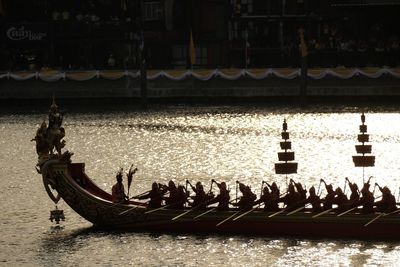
x: 330, y: 196
x: 388, y: 201
x: 314, y: 200
x: 247, y: 199
x: 223, y: 197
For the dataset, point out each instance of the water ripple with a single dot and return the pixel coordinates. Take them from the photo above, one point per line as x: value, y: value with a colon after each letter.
x: 199, y: 144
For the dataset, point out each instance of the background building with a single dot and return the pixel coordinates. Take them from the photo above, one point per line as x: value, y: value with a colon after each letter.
x: 108, y: 34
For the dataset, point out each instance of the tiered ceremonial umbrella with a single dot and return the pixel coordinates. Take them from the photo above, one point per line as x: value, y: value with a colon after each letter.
x: 364, y: 157
x: 286, y: 158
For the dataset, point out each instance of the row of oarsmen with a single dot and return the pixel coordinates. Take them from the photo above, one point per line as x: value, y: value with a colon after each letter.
x: 295, y: 198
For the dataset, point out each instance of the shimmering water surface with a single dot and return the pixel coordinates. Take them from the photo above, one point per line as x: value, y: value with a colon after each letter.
x: 199, y: 144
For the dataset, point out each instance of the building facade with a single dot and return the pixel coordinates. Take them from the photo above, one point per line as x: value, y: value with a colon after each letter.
x: 109, y: 34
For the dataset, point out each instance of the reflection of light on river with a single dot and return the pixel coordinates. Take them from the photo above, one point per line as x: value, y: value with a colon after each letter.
x: 199, y: 144
x: 235, y: 146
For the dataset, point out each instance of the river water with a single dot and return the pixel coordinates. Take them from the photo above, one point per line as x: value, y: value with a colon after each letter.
x: 196, y: 143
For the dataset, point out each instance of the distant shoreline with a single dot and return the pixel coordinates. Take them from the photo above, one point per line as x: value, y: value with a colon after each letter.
x: 357, y: 89
x: 107, y: 105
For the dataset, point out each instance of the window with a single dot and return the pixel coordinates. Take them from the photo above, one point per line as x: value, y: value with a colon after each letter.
x: 201, y: 55
x: 179, y: 54
x: 152, y: 11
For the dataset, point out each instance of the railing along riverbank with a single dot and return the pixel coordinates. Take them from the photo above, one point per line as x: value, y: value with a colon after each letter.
x: 195, y: 84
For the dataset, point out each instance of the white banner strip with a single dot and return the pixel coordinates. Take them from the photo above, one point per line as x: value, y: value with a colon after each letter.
x: 338, y: 74
x: 378, y: 73
x: 183, y: 76
x: 154, y: 75
x: 204, y: 75
x: 257, y: 75
x: 394, y: 72
x: 233, y: 76
x: 22, y: 76
x: 81, y: 76
x: 289, y: 75
x: 51, y: 78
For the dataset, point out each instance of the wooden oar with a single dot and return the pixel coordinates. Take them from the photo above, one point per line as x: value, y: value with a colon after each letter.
x: 319, y: 187
x: 128, y: 210
x: 237, y: 183
x: 182, y: 214
x: 284, y: 210
x: 393, y: 212
x: 276, y: 213
x: 374, y: 219
x: 253, y: 209
x: 247, y: 212
x: 347, y: 211
x: 204, y: 213
x: 130, y: 177
x: 322, y: 213
x: 262, y: 187
x: 208, y: 211
x: 160, y: 208
x: 350, y: 210
x: 297, y: 210
x: 144, y: 193
x: 398, y: 196
x: 279, y: 212
x: 227, y: 219
x: 186, y: 212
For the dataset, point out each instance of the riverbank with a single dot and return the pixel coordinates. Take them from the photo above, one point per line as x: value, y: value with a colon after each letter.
x: 218, y: 89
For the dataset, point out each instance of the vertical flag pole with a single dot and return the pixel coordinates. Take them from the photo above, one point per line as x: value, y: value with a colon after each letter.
x: 142, y: 57
x: 246, y: 47
x: 192, y: 56
x: 303, y: 69
x: 192, y: 51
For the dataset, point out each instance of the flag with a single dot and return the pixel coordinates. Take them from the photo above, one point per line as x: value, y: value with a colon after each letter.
x: 303, y: 45
x: 247, y: 49
x: 192, y: 50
